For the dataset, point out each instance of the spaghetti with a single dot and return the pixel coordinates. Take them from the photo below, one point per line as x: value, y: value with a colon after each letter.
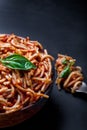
x: 20, y: 88
x: 69, y: 76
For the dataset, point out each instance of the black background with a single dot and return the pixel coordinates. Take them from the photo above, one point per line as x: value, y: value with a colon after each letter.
x: 60, y: 26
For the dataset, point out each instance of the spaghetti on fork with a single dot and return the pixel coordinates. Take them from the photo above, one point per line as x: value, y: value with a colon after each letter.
x: 69, y: 76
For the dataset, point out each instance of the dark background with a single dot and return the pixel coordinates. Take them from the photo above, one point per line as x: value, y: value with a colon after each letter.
x: 60, y: 26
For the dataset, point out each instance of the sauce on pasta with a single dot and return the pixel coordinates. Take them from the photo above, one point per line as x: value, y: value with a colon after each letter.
x: 20, y: 88
x: 69, y: 76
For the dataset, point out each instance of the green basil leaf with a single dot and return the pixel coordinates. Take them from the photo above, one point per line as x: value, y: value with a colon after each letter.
x: 16, y: 61
x: 72, y: 62
x: 64, y: 61
x: 68, y: 62
x: 65, y: 72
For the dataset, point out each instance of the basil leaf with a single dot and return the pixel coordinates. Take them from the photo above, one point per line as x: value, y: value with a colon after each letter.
x: 65, y: 72
x: 65, y: 61
x: 16, y: 61
x: 72, y: 62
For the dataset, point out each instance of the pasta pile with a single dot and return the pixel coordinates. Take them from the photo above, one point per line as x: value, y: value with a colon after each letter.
x: 20, y: 88
x: 69, y: 76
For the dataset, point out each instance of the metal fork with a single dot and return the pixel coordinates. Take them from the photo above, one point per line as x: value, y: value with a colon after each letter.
x: 82, y: 89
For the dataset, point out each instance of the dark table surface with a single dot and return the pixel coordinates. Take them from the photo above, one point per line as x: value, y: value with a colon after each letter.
x: 60, y: 26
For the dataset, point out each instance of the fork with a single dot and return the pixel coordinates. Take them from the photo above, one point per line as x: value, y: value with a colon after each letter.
x: 82, y: 88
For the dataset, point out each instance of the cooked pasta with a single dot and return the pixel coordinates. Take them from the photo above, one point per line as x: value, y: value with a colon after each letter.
x: 19, y: 88
x: 69, y: 76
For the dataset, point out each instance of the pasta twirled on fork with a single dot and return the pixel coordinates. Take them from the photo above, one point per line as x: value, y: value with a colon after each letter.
x: 69, y: 76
